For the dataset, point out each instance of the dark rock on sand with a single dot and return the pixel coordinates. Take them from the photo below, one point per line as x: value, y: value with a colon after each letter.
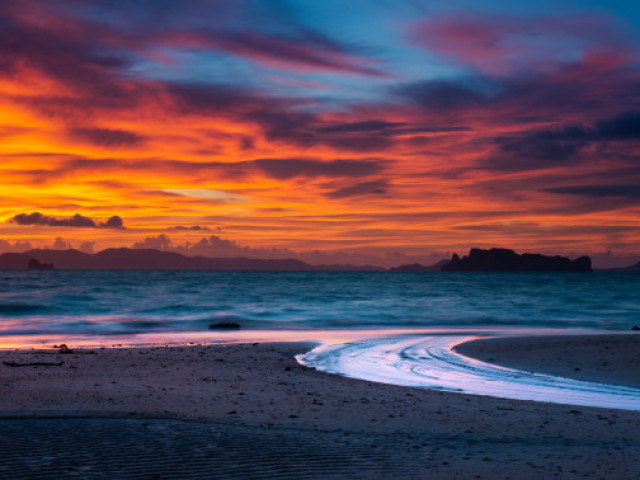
x: 33, y: 364
x: 63, y: 348
x: 505, y: 260
x: 224, y: 326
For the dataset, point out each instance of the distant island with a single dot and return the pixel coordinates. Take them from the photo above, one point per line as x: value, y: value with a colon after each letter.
x: 416, y: 267
x: 150, y: 259
x: 478, y: 260
x: 630, y: 269
x: 34, y: 264
x: 505, y: 260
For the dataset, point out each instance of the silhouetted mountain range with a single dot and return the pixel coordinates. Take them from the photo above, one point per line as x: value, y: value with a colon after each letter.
x: 493, y: 260
x: 14, y: 261
x: 416, y: 267
x: 138, y: 259
x: 631, y: 269
x: 505, y: 260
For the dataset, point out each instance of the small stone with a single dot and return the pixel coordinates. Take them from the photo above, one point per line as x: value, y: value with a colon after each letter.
x: 224, y: 326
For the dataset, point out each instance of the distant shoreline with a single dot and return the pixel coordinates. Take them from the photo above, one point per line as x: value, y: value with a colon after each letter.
x: 492, y: 260
x: 379, y: 271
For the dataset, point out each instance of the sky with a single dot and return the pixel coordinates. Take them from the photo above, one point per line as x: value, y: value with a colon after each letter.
x: 365, y: 131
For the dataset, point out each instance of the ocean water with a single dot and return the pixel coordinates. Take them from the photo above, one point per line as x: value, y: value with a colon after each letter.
x: 128, y: 302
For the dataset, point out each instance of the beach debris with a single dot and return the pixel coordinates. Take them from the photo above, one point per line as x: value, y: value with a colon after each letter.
x: 33, y: 364
x: 63, y: 348
x: 224, y: 326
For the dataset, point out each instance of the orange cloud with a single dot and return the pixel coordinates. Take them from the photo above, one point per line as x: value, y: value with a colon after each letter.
x: 545, y: 161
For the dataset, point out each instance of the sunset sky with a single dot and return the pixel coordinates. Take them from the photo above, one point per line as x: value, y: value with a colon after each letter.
x: 358, y: 131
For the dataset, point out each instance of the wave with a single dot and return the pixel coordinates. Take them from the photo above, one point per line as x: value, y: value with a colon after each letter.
x: 194, y: 300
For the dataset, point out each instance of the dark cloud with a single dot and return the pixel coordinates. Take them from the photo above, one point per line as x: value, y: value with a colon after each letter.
x: 358, y: 143
x: 87, y: 67
x: 364, y: 126
x: 193, y: 228
x: 286, y: 125
x: 583, y: 88
x: 77, y: 221
x: 625, y: 126
x: 91, y: 53
x: 113, y: 222
x: 628, y: 191
x: 282, y: 119
x: 459, y: 93
x: 285, y: 168
x: 304, y: 52
x: 245, y: 29
x: 382, y: 127
x: 537, y: 149
x: 246, y: 142
x: 278, y: 118
x: 38, y: 218
x: 363, y: 136
x: 533, y: 230
x: 279, y: 168
x: 221, y: 100
x: 376, y: 187
x: 107, y: 137
x: 518, y: 227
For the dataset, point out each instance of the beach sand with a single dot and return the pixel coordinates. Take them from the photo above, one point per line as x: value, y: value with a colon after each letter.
x: 612, y: 359
x: 250, y: 411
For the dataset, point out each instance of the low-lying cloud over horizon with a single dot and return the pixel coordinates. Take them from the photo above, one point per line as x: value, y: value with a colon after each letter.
x: 215, y: 246
x: 75, y: 221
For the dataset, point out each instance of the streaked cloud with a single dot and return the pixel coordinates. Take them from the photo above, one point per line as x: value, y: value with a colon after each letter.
x: 287, y: 126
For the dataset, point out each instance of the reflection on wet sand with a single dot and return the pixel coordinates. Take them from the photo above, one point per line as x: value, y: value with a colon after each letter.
x: 430, y: 362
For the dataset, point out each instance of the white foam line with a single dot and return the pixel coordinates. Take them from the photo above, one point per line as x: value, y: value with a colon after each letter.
x: 430, y: 362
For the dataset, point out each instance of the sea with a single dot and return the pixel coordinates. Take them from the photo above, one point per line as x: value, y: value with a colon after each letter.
x: 103, y: 303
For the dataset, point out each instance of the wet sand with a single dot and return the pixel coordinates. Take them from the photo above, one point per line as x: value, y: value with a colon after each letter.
x: 612, y: 359
x: 250, y: 411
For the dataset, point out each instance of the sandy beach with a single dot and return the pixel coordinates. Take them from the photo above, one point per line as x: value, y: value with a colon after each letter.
x: 251, y: 411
